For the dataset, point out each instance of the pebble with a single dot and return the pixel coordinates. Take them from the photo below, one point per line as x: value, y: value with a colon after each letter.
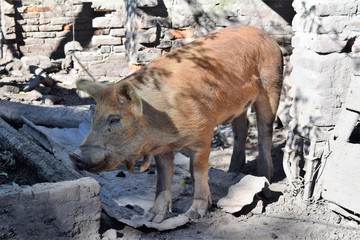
x: 50, y: 100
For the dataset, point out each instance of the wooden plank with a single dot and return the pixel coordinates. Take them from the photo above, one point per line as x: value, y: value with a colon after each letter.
x: 62, y: 117
x: 46, y: 165
x: 341, y: 176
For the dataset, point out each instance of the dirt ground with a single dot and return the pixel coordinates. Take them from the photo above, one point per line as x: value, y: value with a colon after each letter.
x: 283, y: 216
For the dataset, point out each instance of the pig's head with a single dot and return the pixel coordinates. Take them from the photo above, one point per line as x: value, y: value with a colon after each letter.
x: 117, y: 130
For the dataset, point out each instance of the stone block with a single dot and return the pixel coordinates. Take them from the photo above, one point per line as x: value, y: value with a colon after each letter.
x: 148, y: 36
x: 311, y: 108
x: 7, y: 8
x: 310, y: 60
x: 146, y: 21
x: 114, y: 20
x: 37, y: 9
x: 61, y: 20
x: 119, y: 49
x: 53, y: 41
x: 43, y: 21
x: 99, y: 69
x: 31, y: 28
x: 105, y: 49
x: 277, y: 29
x: 23, y: 48
x: 101, y: 5
x: 50, y: 28
x: 63, y: 210
x: 106, y: 40
x: 335, y: 8
x: 117, y: 32
x: 30, y: 16
x: 41, y: 34
x: 164, y: 44
x: 320, y: 25
x: 354, y: 23
x: 33, y: 41
x: 181, y: 16
x: 117, y: 57
x: 148, y: 55
x: 320, y: 43
x: 89, y: 57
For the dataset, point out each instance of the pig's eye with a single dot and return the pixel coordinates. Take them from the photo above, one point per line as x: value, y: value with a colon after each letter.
x: 113, y: 119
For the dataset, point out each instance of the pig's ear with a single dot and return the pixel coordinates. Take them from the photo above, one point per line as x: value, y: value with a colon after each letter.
x: 128, y: 94
x: 90, y: 87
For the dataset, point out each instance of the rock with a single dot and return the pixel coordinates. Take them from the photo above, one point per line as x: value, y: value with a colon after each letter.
x: 17, y: 64
x: 149, y: 36
x: 110, y: 234
x: 242, y: 193
x: 34, y: 95
x: 16, y: 73
x: 50, y: 100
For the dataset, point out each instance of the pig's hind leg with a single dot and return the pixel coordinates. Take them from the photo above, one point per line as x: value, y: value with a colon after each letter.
x: 265, y: 108
x: 240, y: 128
x: 162, y: 203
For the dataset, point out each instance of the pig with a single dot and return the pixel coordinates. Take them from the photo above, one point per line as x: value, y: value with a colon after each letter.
x: 176, y: 101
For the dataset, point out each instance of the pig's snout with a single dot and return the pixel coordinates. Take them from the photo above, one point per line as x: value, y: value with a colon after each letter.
x: 77, y: 159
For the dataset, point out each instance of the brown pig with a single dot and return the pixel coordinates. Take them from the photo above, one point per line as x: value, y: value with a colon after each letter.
x: 176, y: 102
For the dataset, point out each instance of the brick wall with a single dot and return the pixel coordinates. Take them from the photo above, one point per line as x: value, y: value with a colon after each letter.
x: 118, y: 36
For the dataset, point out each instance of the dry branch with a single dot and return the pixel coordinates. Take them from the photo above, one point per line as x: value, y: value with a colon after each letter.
x: 47, y: 167
x: 62, y: 117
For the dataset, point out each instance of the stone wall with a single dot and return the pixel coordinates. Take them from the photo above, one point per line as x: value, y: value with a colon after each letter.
x: 118, y: 36
x: 63, y: 210
x: 325, y: 58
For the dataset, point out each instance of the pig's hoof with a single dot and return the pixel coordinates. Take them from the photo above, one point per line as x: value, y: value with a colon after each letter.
x: 198, y: 209
x: 195, y: 213
x: 162, y: 205
x: 155, y: 218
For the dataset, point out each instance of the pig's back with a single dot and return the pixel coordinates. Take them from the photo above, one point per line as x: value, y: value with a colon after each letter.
x: 211, y: 79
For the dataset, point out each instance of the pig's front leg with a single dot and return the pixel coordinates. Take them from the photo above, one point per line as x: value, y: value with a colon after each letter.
x: 162, y: 204
x: 200, y: 171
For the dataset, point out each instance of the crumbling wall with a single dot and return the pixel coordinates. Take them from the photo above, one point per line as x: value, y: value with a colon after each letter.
x: 63, y: 210
x: 325, y: 58
x: 118, y: 36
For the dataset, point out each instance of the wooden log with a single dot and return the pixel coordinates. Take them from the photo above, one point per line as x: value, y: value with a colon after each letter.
x: 45, y: 164
x: 62, y: 117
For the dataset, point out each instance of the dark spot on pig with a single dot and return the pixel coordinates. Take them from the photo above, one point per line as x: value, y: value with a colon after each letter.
x: 158, y: 119
x: 150, y: 75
